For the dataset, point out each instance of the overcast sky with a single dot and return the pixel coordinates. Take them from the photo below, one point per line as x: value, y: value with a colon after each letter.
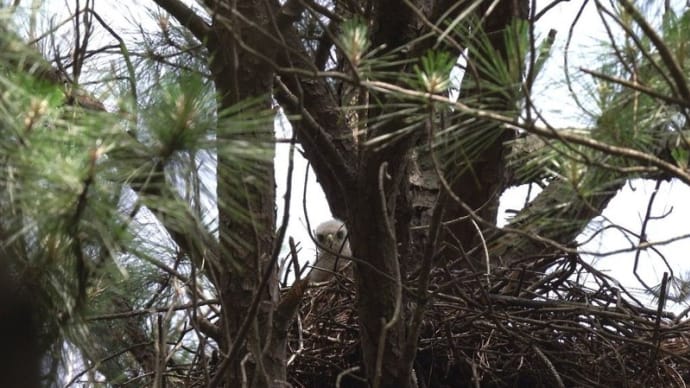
x: 627, y: 209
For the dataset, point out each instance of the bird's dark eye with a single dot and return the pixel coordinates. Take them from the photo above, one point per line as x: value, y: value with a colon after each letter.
x: 340, y: 234
x: 321, y: 238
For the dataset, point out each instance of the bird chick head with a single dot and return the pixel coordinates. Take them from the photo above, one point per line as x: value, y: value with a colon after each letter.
x: 331, y: 234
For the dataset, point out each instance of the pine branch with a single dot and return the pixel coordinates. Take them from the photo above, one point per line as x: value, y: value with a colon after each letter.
x: 187, y: 17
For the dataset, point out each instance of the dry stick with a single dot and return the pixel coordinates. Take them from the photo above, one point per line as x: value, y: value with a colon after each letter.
x: 106, y: 359
x: 531, y: 75
x: 125, y: 54
x: 304, y: 192
x: 398, y: 283
x: 160, y: 344
x: 176, y: 328
x: 620, y: 52
x: 76, y: 61
x: 464, y: 14
x: 434, y: 28
x: 344, y: 373
x: 74, y: 229
x: 562, y: 306
x: 129, y: 314
x: 300, y: 342
x: 271, y: 37
x: 315, y: 6
x: 295, y: 260
x: 642, y: 245
x: 200, y: 358
x: 187, y: 17
x: 643, y: 237
x: 486, y: 251
x: 664, y: 52
x: 549, y: 366
x: 635, y: 85
x: 546, y: 9
x: 243, y: 370
x: 657, y: 323
x: 566, y: 50
x: 339, y: 164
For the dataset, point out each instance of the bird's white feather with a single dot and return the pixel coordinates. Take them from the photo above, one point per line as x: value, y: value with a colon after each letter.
x: 332, y: 249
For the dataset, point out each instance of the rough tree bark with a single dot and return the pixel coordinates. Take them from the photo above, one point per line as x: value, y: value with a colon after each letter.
x: 480, y: 182
x: 237, y: 77
x: 245, y: 272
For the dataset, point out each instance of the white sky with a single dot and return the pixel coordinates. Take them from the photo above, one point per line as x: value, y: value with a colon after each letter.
x: 627, y: 209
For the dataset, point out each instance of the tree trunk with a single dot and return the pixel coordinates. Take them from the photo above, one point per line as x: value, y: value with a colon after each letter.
x: 239, y: 76
x: 479, y: 182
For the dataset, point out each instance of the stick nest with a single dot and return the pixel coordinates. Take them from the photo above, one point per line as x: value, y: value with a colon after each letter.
x: 572, y: 327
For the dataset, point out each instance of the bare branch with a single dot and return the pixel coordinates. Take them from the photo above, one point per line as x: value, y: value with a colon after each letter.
x: 187, y: 17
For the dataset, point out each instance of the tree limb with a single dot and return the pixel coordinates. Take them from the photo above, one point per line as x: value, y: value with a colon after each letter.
x: 187, y: 17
